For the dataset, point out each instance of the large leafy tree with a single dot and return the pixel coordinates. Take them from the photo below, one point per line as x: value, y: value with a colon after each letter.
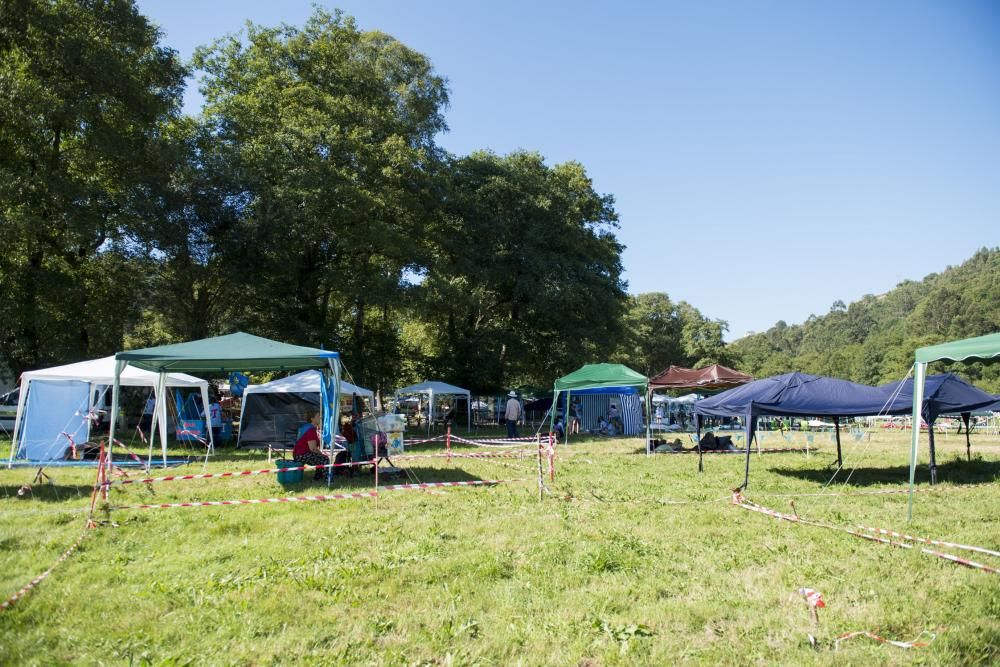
x: 327, y: 134
x: 85, y: 91
x: 659, y: 332
x: 526, y: 279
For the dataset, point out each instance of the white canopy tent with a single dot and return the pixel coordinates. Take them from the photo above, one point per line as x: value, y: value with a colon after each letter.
x: 57, y: 402
x: 432, y: 388
x: 300, y: 388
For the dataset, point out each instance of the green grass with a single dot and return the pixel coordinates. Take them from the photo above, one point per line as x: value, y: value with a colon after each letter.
x: 605, y: 571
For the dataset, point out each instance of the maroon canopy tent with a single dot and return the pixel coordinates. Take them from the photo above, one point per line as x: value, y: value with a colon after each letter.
x: 708, y: 378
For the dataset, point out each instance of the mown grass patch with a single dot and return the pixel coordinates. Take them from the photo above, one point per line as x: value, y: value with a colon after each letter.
x: 629, y: 560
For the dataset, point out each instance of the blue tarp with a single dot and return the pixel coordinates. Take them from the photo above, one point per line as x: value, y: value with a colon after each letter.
x: 945, y: 394
x: 796, y: 395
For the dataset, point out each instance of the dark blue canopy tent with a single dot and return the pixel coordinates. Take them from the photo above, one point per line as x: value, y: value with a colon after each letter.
x: 945, y: 394
x: 792, y: 395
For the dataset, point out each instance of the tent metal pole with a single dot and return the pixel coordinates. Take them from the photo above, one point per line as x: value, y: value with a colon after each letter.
x: 649, y: 420
x: 749, y: 436
x: 115, y: 391
x: 919, y: 374
x: 930, y: 436
x: 836, y: 429
x: 208, y: 413
x: 552, y: 410
x: 22, y: 400
x: 967, y: 417
x: 161, y: 410
x: 567, y: 420
x: 697, y: 442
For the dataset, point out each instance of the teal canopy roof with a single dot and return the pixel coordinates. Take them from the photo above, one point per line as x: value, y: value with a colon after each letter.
x: 233, y: 352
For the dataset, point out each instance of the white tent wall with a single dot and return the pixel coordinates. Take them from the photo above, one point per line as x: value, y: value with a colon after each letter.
x: 101, y: 375
x: 431, y: 387
x: 53, y: 410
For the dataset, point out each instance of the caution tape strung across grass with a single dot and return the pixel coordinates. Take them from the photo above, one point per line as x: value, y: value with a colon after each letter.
x: 301, y: 499
x: 267, y: 471
x: 883, y: 640
x: 37, y: 580
x: 740, y: 501
x: 237, y: 473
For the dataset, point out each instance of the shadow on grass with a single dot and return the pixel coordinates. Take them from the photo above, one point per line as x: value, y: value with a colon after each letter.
x: 48, y: 492
x: 952, y: 472
x: 364, y: 480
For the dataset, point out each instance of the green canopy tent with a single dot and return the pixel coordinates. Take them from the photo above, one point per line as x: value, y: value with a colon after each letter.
x: 601, y: 379
x: 981, y: 347
x: 233, y: 352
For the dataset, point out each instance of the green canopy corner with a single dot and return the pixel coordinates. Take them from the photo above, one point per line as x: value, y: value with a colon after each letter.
x: 980, y: 347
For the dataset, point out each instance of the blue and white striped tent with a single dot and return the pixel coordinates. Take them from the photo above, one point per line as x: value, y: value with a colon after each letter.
x: 595, y: 406
x: 598, y: 386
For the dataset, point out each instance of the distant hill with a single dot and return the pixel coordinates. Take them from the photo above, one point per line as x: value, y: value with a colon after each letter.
x: 872, y: 340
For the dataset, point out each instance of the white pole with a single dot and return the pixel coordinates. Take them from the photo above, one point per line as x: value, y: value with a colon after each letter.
x: 919, y: 375
x: 208, y: 414
x: 22, y: 398
x: 161, y: 410
x: 115, y: 390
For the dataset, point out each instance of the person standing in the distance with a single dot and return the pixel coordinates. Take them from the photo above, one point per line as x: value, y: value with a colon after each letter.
x: 512, y: 413
x: 146, y: 423
x: 575, y: 413
x: 215, y: 417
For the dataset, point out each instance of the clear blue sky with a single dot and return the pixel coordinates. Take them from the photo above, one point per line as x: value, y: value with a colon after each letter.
x: 767, y: 158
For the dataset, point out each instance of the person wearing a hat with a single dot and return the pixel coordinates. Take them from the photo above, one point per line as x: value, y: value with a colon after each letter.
x: 512, y: 414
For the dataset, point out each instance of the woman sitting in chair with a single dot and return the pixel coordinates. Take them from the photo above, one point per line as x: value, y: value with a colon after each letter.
x: 307, y: 450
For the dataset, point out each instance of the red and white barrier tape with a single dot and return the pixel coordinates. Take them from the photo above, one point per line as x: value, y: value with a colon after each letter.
x: 251, y: 501
x: 925, y: 540
x: 498, y: 443
x: 739, y: 501
x: 420, y: 441
x: 466, y: 455
x: 37, y: 580
x: 883, y: 640
x: 239, y: 473
x: 299, y: 499
x: 72, y: 444
x: 930, y: 552
x: 812, y: 597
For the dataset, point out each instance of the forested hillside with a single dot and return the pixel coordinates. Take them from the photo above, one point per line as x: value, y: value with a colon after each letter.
x: 872, y: 340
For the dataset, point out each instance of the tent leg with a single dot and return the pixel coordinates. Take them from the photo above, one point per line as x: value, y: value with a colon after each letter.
x: 930, y: 432
x: 919, y: 375
x: 746, y: 474
x: 840, y: 456
x: 697, y: 432
x: 966, y: 418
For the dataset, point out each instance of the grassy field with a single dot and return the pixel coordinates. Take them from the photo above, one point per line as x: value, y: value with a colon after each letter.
x: 630, y: 560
